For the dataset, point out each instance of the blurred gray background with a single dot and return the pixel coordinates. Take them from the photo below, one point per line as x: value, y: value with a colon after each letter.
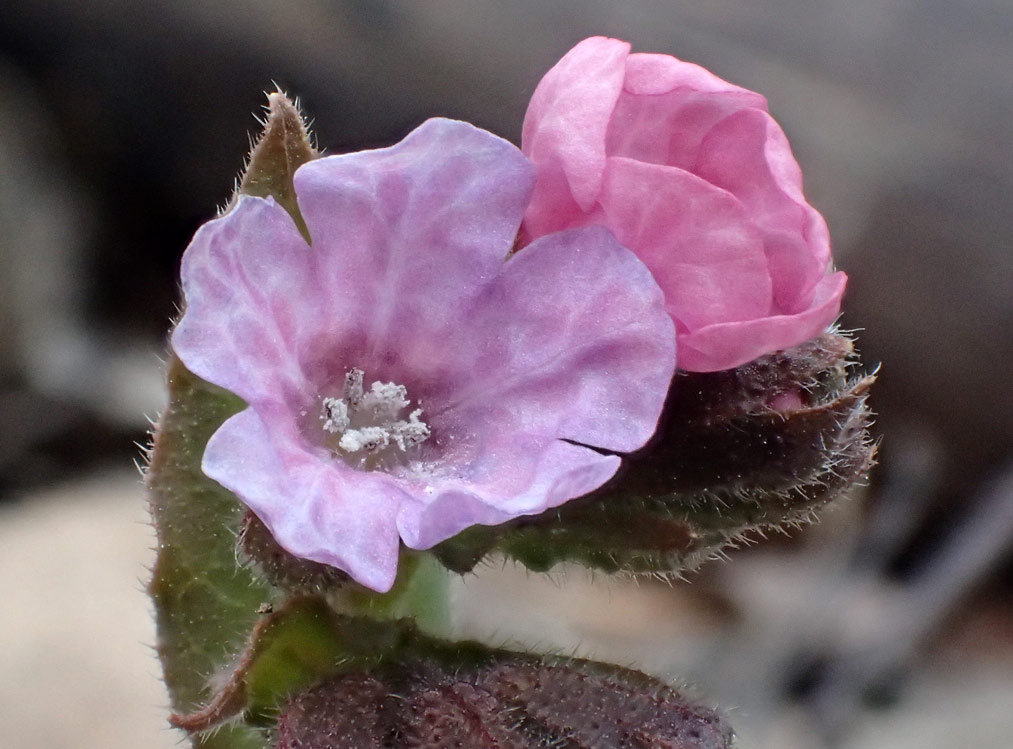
x: 122, y: 127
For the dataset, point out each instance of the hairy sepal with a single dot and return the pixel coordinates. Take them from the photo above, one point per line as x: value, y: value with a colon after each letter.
x: 761, y: 446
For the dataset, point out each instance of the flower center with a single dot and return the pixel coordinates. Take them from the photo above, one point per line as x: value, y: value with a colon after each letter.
x: 369, y: 422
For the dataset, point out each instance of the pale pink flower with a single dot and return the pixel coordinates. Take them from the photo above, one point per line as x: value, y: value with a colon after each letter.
x: 693, y: 175
x: 404, y: 379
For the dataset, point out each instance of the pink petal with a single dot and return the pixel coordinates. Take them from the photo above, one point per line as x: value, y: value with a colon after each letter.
x: 570, y: 341
x: 588, y: 359
x: 667, y: 107
x: 552, y: 207
x: 651, y: 74
x: 748, y: 154
x: 698, y: 241
x: 563, y: 472
x: 403, y: 238
x: 315, y: 506
x: 565, y: 125
x: 727, y: 345
x: 241, y: 330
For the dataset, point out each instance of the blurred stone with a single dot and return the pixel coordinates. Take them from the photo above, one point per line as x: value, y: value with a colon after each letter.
x: 76, y: 666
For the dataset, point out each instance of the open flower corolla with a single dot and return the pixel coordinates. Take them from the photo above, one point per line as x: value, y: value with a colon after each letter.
x: 694, y: 175
x: 405, y: 376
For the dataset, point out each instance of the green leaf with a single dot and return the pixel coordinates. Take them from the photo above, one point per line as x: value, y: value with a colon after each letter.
x: 283, y: 147
x: 291, y: 649
x: 205, y: 602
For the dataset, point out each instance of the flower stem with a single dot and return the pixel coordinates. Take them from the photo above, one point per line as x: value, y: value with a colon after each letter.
x: 421, y: 593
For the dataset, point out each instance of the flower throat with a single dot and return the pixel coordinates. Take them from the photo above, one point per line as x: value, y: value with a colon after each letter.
x: 368, y: 424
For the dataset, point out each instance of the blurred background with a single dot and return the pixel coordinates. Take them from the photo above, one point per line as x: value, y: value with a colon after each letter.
x: 123, y: 126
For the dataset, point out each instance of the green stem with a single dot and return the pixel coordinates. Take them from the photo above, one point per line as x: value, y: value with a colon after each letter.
x: 421, y: 592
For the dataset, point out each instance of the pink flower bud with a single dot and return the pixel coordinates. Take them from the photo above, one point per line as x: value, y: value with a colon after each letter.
x: 692, y: 174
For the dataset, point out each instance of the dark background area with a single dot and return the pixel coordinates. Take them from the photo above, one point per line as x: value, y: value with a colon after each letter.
x: 123, y: 126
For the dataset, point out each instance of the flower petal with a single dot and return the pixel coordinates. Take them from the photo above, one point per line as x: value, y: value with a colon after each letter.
x: 748, y: 154
x: 727, y: 345
x: 697, y: 239
x: 404, y: 237
x: 565, y: 125
x: 315, y: 506
x: 563, y: 471
x: 242, y: 328
x: 668, y: 106
x: 650, y: 74
x: 571, y: 342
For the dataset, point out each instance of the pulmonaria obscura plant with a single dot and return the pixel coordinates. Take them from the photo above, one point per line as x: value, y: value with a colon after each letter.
x: 609, y: 347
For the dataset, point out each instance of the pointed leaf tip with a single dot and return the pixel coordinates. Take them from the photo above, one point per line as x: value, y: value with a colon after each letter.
x: 282, y: 148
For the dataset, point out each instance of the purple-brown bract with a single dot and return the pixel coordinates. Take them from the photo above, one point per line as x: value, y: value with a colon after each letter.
x: 405, y: 379
x: 692, y: 174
